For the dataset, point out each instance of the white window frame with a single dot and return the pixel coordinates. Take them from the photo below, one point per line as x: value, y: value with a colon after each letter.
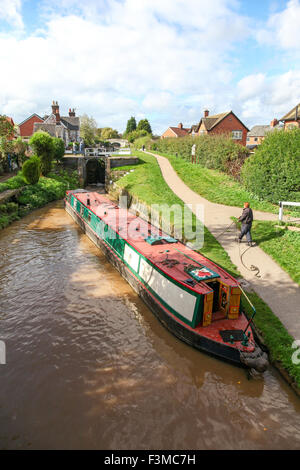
x: 237, y: 135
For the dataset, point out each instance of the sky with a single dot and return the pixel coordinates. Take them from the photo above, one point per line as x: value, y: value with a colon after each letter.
x: 164, y: 60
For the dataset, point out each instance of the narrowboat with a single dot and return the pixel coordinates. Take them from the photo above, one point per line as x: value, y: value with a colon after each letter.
x: 197, y: 300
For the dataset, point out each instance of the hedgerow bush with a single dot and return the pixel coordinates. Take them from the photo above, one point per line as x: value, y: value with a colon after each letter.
x: 43, y: 146
x: 273, y: 171
x: 218, y: 152
x: 31, y: 170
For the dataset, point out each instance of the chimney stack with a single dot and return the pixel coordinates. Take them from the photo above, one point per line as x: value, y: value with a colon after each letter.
x: 180, y: 126
x: 206, y: 113
x: 274, y: 122
x: 72, y: 112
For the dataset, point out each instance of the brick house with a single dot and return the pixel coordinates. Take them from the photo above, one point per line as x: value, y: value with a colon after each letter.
x: 26, y: 126
x: 178, y: 131
x: 258, y: 133
x: 292, y: 118
x: 223, y: 123
x: 65, y: 127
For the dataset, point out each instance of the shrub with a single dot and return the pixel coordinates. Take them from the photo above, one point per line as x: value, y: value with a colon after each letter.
x: 31, y: 170
x: 273, y: 171
x: 218, y: 152
x: 58, y: 149
x: 42, y: 144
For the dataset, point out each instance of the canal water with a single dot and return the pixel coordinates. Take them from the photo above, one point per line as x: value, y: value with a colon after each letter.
x: 89, y: 366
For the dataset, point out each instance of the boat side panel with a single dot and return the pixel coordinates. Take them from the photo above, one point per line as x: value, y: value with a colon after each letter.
x: 185, y: 334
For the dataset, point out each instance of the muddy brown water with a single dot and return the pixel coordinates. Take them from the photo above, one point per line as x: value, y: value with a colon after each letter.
x: 90, y: 367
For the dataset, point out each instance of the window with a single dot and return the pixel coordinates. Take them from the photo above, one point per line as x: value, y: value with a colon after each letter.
x: 237, y: 135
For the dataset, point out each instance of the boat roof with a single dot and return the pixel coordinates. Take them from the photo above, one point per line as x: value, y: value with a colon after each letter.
x: 172, y: 257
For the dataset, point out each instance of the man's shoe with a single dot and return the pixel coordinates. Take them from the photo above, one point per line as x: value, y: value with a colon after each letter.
x: 251, y: 244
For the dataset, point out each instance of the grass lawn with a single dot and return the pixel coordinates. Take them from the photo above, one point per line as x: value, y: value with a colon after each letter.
x: 147, y: 184
x: 281, y: 244
x: 216, y: 186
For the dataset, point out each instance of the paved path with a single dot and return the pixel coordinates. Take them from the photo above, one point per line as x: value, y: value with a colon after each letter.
x: 274, y: 286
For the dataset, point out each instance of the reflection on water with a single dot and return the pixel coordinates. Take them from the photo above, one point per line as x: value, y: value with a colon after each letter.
x: 89, y: 366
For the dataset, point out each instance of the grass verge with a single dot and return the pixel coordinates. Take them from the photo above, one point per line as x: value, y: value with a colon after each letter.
x: 216, y: 186
x: 281, y: 244
x: 147, y: 185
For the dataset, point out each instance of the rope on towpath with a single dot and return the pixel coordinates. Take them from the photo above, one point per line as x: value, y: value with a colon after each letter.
x: 253, y: 268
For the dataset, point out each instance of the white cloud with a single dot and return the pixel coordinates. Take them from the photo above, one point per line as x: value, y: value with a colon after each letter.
x: 264, y: 98
x: 166, y: 60
x: 282, y: 29
x: 129, y: 57
x: 10, y: 11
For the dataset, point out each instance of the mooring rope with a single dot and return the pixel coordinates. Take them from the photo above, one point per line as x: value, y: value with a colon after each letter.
x: 252, y: 268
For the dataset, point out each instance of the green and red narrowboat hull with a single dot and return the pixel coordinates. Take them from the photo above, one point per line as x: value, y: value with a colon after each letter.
x: 198, y: 302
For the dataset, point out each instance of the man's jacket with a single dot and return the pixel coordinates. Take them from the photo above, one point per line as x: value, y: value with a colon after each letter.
x: 247, y: 216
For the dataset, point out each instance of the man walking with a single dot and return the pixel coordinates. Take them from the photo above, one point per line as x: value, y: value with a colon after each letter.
x: 246, y: 218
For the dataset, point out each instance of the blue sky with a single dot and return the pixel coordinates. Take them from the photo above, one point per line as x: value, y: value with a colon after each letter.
x: 166, y: 60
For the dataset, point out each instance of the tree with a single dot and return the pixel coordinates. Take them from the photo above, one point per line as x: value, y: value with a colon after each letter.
x: 42, y: 144
x: 31, y: 170
x: 88, y: 129
x: 58, y: 149
x: 273, y: 171
x: 131, y: 125
x: 144, y: 125
x: 132, y: 136
x: 6, y: 128
x: 20, y: 149
x: 6, y: 136
x: 109, y: 133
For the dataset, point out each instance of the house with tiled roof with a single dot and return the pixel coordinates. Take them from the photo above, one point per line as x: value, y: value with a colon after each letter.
x: 65, y: 127
x: 223, y: 123
x: 178, y: 131
x: 258, y: 133
x: 292, y: 118
x: 26, y: 126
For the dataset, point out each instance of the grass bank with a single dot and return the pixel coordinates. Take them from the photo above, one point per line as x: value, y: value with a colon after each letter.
x: 33, y: 196
x: 281, y: 244
x: 147, y: 185
x: 216, y: 186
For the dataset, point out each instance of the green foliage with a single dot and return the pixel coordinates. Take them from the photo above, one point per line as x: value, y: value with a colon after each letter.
x: 136, y: 135
x: 31, y: 170
x: 273, y: 171
x: 20, y: 147
x: 8, y: 213
x: 42, y: 144
x: 281, y: 244
x: 88, y: 129
x: 140, y: 141
x: 131, y: 125
x: 216, y: 186
x: 13, y: 183
x: 6, y: 128
x: 219, y: 152
x: 109, y: 133
x: 144, y: 125
x: 58, y: 149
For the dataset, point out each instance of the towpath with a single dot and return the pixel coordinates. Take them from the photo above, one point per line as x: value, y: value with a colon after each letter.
x: 274, y: 285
